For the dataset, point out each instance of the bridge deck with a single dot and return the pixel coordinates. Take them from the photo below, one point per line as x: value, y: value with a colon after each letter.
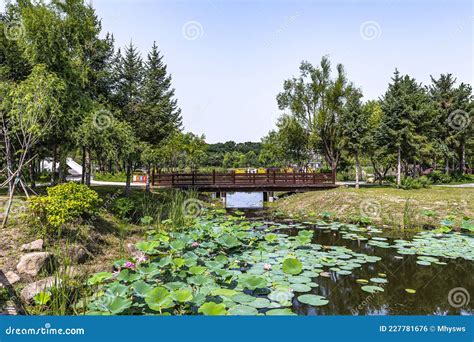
x: 270, y: 181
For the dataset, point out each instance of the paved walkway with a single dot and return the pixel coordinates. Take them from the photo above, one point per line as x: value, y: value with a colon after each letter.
x: 467, y: 185
x: 93, y: 182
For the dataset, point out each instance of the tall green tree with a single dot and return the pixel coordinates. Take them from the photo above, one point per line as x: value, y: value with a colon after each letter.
x: 355, y: 127
x: 293, y: 139
x: 317, y: 101
x: 452, y: 130
x: 406, y: 114
x: 272, y: 153
x: 127, y: 97
x: 381, y: 158
x: 29, y: 110
x: 160, y: 112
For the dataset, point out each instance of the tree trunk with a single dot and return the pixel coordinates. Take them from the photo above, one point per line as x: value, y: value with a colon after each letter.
x: 357, y: 169
x: 9, y: 160
x: 87, y: 167
x: 32, y: 173
x: 83, y: 173
x: 462, y: 157
x: 53, y: 165
x: 9, y: 206
x: 129, y: 176
x: 148, y: 174
x: 62, y: 166
x: 399, y: 167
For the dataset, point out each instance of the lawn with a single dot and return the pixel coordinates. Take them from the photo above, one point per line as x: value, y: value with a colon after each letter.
x: 383, y: 205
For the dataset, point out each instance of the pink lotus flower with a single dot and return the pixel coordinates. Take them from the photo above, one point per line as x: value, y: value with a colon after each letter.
x: 129, y: 264
x: 195, y: 244
x: 141, y: 258
x: 267, y: 267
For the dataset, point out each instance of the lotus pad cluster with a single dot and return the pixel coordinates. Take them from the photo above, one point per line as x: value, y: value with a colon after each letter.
x: 223, y: 265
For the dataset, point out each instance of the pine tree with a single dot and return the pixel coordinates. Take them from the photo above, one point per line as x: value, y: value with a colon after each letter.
x: 406, y: 115
x: 127, y: 97
x: 160, y: 111
x: 442, y: 94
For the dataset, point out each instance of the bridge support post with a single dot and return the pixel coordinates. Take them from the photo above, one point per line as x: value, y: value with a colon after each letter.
x: 268, y: 196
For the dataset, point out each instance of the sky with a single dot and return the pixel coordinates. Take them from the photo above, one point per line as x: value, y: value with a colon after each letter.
x: 229, y: 59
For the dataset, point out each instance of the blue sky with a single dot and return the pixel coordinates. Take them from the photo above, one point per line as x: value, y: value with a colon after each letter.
x: 227, y: 78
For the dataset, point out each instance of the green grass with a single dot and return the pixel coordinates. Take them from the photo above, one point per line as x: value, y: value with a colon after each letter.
x: 109, y: 177
x: 383, y: 205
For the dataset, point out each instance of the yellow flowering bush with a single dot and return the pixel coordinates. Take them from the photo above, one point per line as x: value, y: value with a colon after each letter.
x: 65, y: 203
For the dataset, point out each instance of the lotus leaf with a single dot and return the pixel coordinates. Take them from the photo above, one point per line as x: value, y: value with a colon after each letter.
x: 182, y: 295
x: 300, y: 287
x: 311, y: 299
x: 280, y: 312
x: 253, y: 282
x: 243, y: 298
x: 178, y: 244
x: 212, y: 309
x: 159, y: 298
x: 141, y: 288
x: 99, y: 278
x: 372, y: 289
x: 242, y: 310
x: 259, y: 303
x: 378, y: 280
x: 292, y: 266
x: 197, y: 270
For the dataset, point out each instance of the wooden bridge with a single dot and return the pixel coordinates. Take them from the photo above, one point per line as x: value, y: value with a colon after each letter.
x: 231, y: 181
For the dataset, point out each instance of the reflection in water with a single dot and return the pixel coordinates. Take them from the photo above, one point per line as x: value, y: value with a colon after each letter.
x: 432, y: 283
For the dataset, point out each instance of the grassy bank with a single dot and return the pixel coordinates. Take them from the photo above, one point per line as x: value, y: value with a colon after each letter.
x: 383, y: 205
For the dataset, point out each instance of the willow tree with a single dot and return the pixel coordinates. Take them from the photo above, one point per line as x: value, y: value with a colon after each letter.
x: 29, y: 111
x: 317, y: 100
x: 62, y: 35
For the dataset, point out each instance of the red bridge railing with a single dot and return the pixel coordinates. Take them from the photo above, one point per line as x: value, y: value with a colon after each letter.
x: 242, y: 179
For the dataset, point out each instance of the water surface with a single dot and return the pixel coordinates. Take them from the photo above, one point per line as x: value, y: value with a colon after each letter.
x: 432, y: 283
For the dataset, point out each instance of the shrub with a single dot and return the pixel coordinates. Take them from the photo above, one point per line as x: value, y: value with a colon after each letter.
x: 64, y: 204
x: 438, y: 177
x: 408, y: 183
x: 124, y: 208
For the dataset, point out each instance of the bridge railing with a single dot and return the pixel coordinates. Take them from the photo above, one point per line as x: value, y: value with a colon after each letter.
x: 232, y: 178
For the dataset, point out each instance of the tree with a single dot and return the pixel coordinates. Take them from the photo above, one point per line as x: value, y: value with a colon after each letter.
x: 452, y: 129
x: 272, y: 153
x: 293, y: 139
x: 160, y: 115
x: 182, y: 150
x: 59, y: 35
x: 128, y: 90
x: 28, y: 112
x: 354, y: 124
x: 406, y: 114
x: 159, y: 112
x: 380, y: 157
x: 316, y: 100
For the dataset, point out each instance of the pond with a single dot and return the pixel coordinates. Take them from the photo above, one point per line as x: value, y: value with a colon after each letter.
x: 432, y: 283
x: 237, y: 264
